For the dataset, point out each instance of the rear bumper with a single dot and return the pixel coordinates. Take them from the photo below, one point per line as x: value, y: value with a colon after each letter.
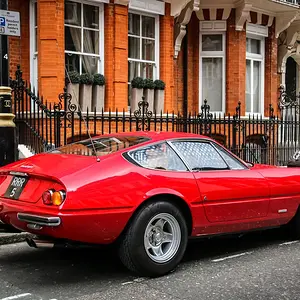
x: 87, y: 226
x: 39, y: 220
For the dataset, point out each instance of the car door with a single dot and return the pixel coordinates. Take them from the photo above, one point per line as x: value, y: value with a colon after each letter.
x: 228, y: 188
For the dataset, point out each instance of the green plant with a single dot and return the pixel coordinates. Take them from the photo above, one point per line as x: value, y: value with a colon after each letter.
x: 137, y: 83
x: 73, y: 77
x: 99, y: 79
x: 149, y: 84
x: 86, y: 78
x: 159, y: 84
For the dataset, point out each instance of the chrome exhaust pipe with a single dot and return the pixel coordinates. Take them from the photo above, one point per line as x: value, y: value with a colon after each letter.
x: 36, y: 243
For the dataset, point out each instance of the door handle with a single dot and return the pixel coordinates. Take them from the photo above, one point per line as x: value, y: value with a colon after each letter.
x: 204, y: 198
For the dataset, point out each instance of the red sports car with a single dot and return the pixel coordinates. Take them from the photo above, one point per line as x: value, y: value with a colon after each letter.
x: 147, y: 193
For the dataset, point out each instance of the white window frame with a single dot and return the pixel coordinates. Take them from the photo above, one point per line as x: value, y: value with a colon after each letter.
x: 33, y: 46
x: 156, y: 40
x: 261, y: 58
x: 213, y: 54
x: 100, y: 56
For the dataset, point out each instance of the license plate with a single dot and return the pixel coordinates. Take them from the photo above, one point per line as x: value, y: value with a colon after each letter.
x: 16, y: 187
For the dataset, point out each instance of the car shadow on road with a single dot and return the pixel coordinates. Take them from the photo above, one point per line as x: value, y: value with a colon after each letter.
x: 67, y: 266
x: 208, y: 248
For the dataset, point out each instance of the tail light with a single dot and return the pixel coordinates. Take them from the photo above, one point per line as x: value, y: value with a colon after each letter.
x: 52, y: 197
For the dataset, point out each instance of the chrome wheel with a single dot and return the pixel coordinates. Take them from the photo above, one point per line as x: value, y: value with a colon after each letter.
x: 162, y: 238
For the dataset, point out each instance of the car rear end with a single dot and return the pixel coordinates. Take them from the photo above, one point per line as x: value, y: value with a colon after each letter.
x: 50, y: 194
x: 30, y: 202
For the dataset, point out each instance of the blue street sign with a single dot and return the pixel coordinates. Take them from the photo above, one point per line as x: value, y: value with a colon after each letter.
x: 2, y: 21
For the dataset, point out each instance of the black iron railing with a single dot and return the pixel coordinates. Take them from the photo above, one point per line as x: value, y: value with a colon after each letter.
x: 271, y: 140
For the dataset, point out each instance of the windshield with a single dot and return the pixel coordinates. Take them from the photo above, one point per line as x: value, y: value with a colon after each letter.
x: 103, y: 146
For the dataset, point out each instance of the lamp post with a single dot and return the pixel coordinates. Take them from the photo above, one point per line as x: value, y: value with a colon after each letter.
x: 8, y: 134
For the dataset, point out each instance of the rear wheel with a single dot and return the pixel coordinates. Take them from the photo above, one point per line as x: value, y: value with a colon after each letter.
x: 294, y: 226
x: 155, y: 242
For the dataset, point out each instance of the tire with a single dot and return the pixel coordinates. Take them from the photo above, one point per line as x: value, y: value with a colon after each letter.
x: 293, y: 227
x: 147, y: 248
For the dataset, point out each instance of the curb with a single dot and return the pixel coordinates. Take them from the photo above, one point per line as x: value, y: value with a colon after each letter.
x: 13, y: 238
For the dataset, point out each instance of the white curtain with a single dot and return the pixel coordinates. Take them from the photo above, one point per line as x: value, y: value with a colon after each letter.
x: 134, y: 45
x: 91, y: 44
x: 212, y: 82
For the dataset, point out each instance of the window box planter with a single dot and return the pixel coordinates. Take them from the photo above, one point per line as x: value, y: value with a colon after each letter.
x: 85, y: 93
x: 137, y: 86
x: 159, y: 97
x: 98, y: 93
x: 149, y: 87
x: 72, y: 83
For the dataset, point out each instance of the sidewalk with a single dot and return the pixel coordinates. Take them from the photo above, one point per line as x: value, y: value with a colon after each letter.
x: 8, y: 237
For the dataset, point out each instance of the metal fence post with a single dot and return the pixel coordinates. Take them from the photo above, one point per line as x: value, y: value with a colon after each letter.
x: 8, y: 134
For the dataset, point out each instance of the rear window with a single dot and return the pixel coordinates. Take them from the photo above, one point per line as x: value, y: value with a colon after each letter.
x: 103, y: 146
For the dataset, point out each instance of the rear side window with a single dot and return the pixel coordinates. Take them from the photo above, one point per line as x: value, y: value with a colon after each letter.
x: 160, y: 157
x: 103, y: 146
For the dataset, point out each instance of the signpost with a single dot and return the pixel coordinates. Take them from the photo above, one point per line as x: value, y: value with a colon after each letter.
x: 9, y: 23
x: 9, y: 26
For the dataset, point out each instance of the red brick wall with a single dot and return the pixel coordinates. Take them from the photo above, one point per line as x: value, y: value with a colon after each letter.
x: 178, y: 82
x: 19, y: 49
x: 193, y: 64
x: 51, y: 45
x: 109, y: 30
x: 116, y: 56
x: 167, y: 56
x: 271, y: 84
x: 235, y: 66
x: 51, y: 57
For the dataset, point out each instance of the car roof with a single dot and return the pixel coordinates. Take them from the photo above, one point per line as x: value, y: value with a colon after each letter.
x: 158, y: 135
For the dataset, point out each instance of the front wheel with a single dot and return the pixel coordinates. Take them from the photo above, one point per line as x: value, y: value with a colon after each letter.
x: 155, y: 242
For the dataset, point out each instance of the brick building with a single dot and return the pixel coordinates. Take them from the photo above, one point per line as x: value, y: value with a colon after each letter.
x: 224, y: 51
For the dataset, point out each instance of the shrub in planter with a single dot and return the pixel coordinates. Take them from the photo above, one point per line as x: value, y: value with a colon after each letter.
x: 137, y: 85
x: 159, y: 85
x: 73, y: 77
x: 149, y: 87
x: 98, y: 92
x: 86, y: 82
x: 159, y: 96
x: 72, y: 83
x: 87, y: 79
x: 149, y: 84
x: 99, y: 79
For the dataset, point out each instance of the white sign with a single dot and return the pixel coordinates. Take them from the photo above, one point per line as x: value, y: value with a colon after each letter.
x: 9, y: 23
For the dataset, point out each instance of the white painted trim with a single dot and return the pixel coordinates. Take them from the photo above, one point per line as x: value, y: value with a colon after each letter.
x: 213, y: 26
x: 91, y: 2
x: 101, y: 39
x: 149, y: 6
x: 257, y: 30
x: 261, y: 58
x: 221, y: 54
